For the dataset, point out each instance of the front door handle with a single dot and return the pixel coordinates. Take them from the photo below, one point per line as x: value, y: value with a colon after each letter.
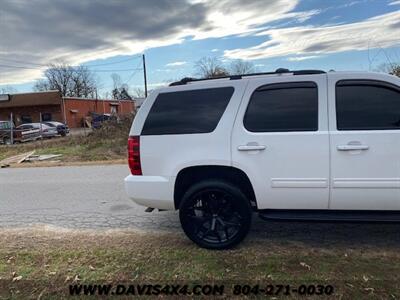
x: 352, y: 147
x: 251, y: 147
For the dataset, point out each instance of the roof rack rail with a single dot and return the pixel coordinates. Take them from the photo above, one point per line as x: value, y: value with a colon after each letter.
x: 235, y: 77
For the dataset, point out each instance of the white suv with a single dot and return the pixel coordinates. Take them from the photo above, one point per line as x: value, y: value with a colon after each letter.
x: 288, y: 145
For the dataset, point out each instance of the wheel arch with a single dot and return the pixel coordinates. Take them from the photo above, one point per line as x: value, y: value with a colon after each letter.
x: 190, y: 175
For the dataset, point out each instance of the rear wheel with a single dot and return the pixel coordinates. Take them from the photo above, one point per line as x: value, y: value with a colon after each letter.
x: 215, y: 214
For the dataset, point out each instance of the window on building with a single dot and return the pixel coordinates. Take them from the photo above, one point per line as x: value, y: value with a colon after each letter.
x: 113, y: 109
x: 46, y: 117
x: 26, y: 119
x: 283, y: 107
x: 186, y: 112
x: 5, y: 125
x: 367, y: 105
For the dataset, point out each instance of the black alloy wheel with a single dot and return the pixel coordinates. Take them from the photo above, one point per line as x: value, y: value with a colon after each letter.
x: 215, y: 214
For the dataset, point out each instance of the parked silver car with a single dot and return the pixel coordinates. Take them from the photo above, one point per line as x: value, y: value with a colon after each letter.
x: 62, y: 128
x: 45, y: 130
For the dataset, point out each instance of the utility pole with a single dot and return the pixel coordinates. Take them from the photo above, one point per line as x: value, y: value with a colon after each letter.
x: 12, y: 129
x: 145, y: 77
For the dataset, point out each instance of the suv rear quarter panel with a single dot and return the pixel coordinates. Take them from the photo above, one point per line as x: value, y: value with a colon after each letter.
x: 166, y: 155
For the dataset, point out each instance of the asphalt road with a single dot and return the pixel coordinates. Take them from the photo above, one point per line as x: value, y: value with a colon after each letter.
x: 74, y: 197
x: 93, y: 197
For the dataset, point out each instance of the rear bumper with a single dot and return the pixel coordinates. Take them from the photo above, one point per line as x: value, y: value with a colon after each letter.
x: 151, y: 191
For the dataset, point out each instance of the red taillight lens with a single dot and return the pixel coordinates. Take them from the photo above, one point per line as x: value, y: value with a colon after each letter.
x: 134, y: 155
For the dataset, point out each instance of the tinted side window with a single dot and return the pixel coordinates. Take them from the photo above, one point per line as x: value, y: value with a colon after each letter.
x: 196, y: 111
x: 367, y: 105
x: 283, y: 107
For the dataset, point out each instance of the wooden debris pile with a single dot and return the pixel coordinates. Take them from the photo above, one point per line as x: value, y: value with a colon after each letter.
x: 28, y: 157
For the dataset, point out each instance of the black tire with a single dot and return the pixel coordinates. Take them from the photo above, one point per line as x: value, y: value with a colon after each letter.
x: 215, y: 214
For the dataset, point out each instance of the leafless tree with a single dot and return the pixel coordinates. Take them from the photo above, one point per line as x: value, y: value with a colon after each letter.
x: 120, y: 90
x: 117, y: 82
x: 70, y: 81
x: 138, y: 93
x: 391, y: 68
x: 395, y: 70
x: 8, y: 90
x: 84, y: 84
x: 210, y: 67
x: 239, y: 67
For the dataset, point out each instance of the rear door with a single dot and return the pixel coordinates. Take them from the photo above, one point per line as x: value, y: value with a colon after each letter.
x: 280, y: 139
x: 364, y: 118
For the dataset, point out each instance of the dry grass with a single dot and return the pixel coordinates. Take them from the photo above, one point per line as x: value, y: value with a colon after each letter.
x: 105, y: 144
x: 49, y: 261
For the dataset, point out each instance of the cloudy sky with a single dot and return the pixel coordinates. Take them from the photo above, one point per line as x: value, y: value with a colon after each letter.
x: 108, y: 36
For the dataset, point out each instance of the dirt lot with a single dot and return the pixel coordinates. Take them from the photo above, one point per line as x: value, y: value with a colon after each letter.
x: 43, y: 263
x: 105, y: 144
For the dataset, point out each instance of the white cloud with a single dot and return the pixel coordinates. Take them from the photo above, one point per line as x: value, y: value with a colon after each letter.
x: 176, y: 64
x: 80, y: 31
x: 163, y: 70
x: 378, y: 32
x: 152, y: 85
x: 215, y: 50
x: 303, y: 16
x: 397, y: 2
x: 238, y: 17
x: 300, y: 58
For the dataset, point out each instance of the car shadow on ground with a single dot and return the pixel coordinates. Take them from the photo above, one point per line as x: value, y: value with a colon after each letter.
x: 313, y: 234
x: 322, y: 234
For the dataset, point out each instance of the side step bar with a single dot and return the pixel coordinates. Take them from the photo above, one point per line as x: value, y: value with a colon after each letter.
x: 330, y: 215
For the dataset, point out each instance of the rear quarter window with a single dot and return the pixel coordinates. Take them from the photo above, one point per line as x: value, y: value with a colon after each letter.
x: 187, y: 112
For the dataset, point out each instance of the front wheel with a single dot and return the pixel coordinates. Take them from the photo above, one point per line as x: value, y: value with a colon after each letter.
x: 215, y: 214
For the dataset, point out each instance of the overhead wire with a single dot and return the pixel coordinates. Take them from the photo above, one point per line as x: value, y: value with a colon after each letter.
x: 40, y: 66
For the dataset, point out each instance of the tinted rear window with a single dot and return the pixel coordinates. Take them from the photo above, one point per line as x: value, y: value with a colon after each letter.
x: 283, y: 107
x: 185, y: 112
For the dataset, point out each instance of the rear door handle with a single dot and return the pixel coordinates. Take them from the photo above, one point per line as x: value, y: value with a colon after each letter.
x: 251, y: 147
x: 352, y: 147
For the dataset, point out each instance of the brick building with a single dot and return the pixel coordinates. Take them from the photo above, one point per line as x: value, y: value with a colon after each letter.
x: 27, y: 107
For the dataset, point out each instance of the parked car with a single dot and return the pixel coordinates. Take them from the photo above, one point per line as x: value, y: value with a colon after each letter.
x: 45, y: 131
x: 99, y: 119
x: 5, y: 132
x: 288, y: 145
x: 62, y: 129
x: 19, y: 134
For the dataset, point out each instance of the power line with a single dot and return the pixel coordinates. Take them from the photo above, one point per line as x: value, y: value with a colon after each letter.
x: 46, y: 66
x: 37, y: 68
x: 137, y: 69
x: 124, y: 70
x: 19, y: 67
x: 134, y: 73
x: 116, y: 62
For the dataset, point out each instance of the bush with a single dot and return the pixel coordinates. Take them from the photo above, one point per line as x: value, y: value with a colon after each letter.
x: 114, y: 128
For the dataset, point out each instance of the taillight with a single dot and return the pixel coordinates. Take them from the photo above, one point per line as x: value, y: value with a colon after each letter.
x: 134, y: 155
